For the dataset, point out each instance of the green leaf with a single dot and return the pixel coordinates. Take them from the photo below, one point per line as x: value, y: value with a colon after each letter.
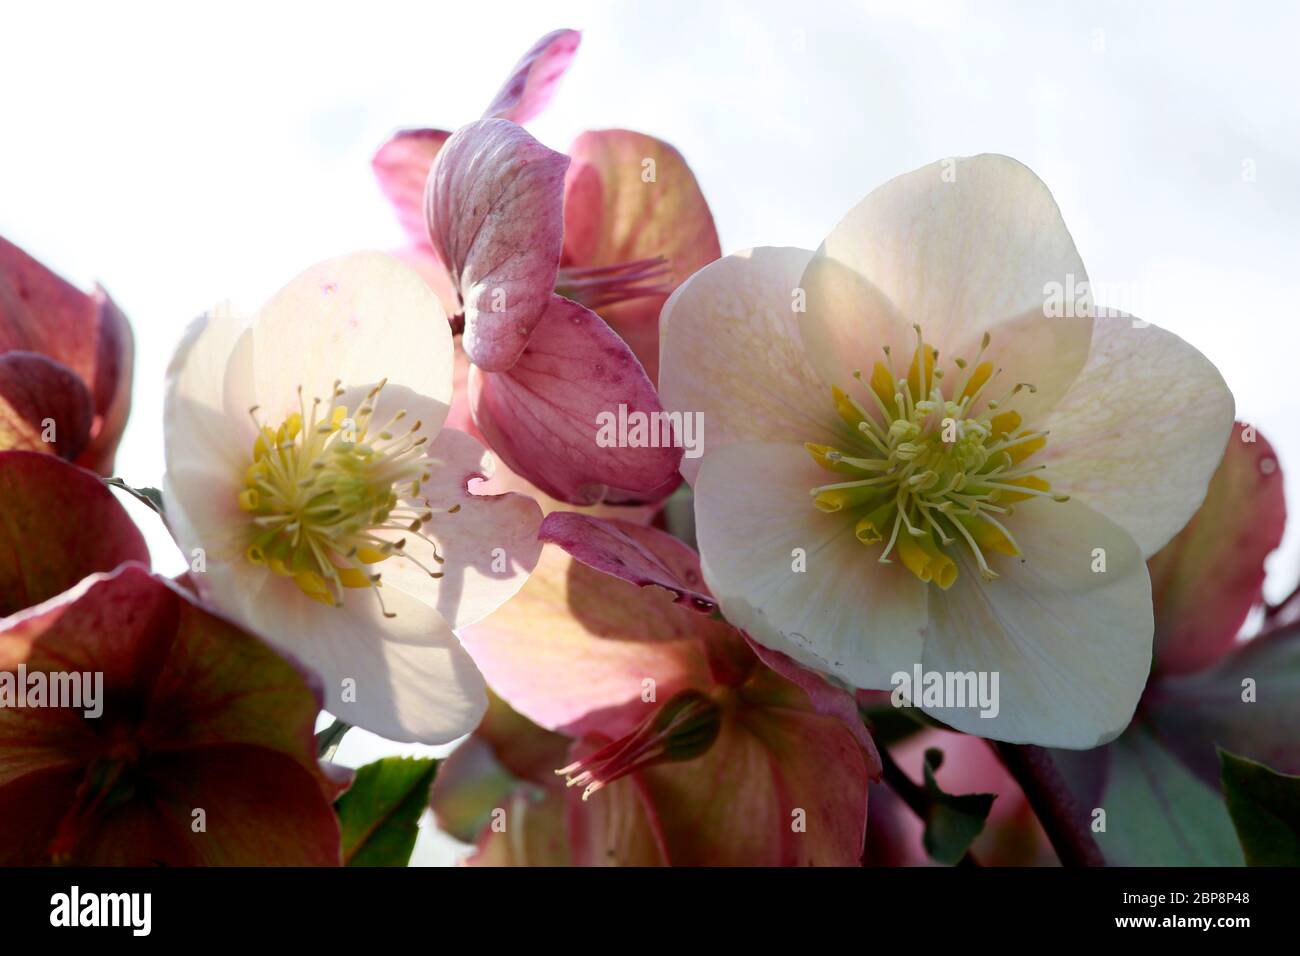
x: 1159, y: 813
x: 378, y: 814
x: 1265, y: 809
x: 952, y: 822
x: 150, y: 497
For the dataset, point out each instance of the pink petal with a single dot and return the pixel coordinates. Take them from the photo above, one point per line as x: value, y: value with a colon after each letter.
x: 826, y: 699
x: 541, y: 417
x: 533, y: 81
x: 613, y: 214
x: 38, y: 393
x: 1206, y: 580
x: 618, y: 826
x: 402, y: 167
x: 494, y: 204
x: 220, y: 722
x: 611, y: 547
x: 44, y: 545
x: 40, y: 312
x: 572, y: 651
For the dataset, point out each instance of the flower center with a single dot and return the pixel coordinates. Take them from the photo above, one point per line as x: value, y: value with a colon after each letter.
x: 325, y: 493
x: 928, y: 473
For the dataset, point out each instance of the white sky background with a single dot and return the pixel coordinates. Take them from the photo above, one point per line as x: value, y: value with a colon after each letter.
x: 183, y: 154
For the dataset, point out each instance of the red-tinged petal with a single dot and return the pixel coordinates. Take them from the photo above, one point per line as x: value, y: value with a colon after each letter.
x: 45, y: 547
x: 630, y: 197
x: 494, y: 205
x: 630, y: 553
x: 40, y: 312
x: 580, y: 650
x: 826, y: 699
x: 1248, y: 703
x: 778, y: 788
x: 402, y: 167
x: 544, y: 417
x: 44, y: 406
x: 1206, y: 580
x: 196, y: 714
x: 617, y: 826
x: 533, y: 81
x: 533, y: 834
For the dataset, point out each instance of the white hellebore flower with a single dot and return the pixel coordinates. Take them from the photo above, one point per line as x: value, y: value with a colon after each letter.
x: 924, y: 449
x: 306, y: 458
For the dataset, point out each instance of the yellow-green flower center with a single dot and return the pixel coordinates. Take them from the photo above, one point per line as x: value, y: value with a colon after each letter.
x: 326, y: 492
x: 932, y: 466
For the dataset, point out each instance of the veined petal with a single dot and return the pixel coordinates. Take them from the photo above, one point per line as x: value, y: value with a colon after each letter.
x: 44, y: 406
x: 402, y: 167
x: 405, y: 678
x: 574, y: 649
x: 494, y: 203
x: 844, y: 613
x: 731, y: 353
x: 44, y: 545
x: 1071, y: 644
x: 1141, y: 431
x: 963, y: 245
x: 532, y: 82
x: 1205, y: 581
x: 546, y: 415
x: 631, y: 197
x: 87, y: 333
x: 361, y: 319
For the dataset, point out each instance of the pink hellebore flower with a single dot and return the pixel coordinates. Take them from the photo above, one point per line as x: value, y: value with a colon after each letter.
x: 691, y: 746
x: 527, y: 243
x: 129, y: 714
x: 65, y: 360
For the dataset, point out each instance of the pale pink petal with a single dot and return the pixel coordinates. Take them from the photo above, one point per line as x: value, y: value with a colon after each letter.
x: 579, y: 650
x: 732, y: 355
x: 618, y: 826
x: 495, y: 206
x: 402, y: 167
x: 532, y: 82
x: 1066, y: 626
x: 963, y: 245
x: 327, y: 324
x: 544, y: 416
x: 1205, y: 581
x: 405, y: 678
x: 485, y: 548
x: 798, y: 580
x: 1141, y: 430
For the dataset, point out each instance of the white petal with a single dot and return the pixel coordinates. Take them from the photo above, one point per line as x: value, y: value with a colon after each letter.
x: 1140, y: 433
x: 961, y: 246
x: 1071, y: 646
x: 413, y: 681
x: 489, y: 546
x: 359, y: 319
x: 209, y: 434
x: 730, y: 351
x: 847, y: 614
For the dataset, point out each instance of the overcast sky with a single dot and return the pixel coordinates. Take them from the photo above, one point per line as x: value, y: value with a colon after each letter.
x: 184, y: 154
